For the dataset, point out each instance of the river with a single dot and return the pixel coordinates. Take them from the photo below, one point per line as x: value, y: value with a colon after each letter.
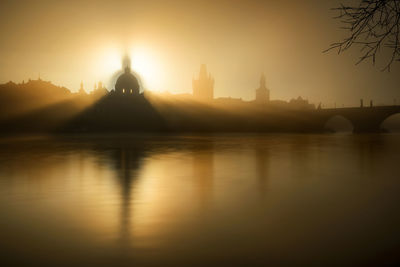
x: 200, y: 200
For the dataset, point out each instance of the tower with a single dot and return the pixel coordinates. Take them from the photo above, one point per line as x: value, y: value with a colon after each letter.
x: 81, y: 90
x: 262, y: 93
x: 203, y: 87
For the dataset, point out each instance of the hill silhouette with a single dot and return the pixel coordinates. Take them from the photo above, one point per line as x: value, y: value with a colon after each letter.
x: 16, y: 99
x: 40, y: 106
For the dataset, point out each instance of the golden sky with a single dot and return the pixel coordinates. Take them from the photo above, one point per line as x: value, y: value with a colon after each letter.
x: 70, y: 41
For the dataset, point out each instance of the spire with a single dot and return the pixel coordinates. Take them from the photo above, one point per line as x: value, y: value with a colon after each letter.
x: 81, y: 90
x: 262, y: 81
x: 203, y: 71
x: 203, y: 87
x: 126, y: 62
x: 95, y: 86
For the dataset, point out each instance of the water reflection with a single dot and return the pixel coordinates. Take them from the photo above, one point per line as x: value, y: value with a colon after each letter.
x: 127, y: 163
x: 203, y: 173
x: 199, y: 200
x: 262, y: 167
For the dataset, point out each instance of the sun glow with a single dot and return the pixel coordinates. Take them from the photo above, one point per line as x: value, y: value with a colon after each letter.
x: 105, y: 62
x: 110, y: 61
x: 145, y: 63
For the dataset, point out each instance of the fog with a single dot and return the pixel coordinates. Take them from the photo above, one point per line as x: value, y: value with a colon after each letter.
x: 72, y: 41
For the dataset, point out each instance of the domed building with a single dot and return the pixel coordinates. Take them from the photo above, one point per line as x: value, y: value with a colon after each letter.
x: 127, y: 83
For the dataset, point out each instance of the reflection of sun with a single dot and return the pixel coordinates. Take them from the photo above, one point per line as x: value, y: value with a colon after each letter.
x: 158, y: 207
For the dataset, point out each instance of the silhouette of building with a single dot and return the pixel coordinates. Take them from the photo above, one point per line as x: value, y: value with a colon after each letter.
x: 127, y: 84
x: 203, y: 87
x: 81, y: 89
x: 100, y: 90
x: 229, y: 101
x: 262, y: 93
x: 300, y: 103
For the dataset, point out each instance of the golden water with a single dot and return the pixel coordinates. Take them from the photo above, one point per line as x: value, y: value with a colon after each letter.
x: 206, y: 200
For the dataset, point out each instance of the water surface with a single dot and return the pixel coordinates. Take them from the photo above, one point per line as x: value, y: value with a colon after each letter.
x: 211, y: 200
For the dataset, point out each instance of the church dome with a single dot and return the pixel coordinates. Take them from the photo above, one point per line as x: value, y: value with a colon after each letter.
x: 127, y: 83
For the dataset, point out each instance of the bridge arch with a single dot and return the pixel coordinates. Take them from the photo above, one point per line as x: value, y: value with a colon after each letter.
x: 391, y: 123
x: 339, y: 124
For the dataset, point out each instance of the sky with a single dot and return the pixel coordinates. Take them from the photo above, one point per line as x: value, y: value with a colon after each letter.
x: 72, y: 41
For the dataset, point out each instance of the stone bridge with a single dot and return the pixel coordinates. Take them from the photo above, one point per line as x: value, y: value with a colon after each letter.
x: 363, y: 119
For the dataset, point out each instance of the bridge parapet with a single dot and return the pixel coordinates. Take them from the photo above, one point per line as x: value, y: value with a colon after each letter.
x: 364, y: 119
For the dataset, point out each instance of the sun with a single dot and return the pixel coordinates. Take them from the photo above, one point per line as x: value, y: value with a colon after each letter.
x: 144, y: 63
x: 148, y: 66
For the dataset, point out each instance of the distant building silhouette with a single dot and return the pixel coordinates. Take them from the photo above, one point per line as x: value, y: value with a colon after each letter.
x: 262, y: 93
x: 300, y: 103
x: 100, y: 90
x: 81, y: 90
x: 228, y: 100
x: 203, y: 87
x: 127, y: 84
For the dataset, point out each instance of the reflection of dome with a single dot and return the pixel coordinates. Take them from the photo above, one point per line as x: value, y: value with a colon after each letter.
x: 127, y: 83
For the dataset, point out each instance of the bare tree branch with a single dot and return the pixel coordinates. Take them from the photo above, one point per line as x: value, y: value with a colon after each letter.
x: 373, y: 25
